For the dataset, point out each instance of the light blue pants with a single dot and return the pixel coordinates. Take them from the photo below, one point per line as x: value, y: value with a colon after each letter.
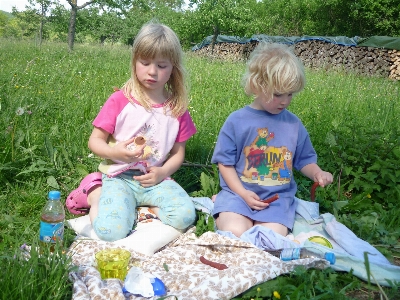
x: 122, y: 194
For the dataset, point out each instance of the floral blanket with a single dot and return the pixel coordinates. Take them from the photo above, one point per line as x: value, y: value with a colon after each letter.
x: 179, y: 267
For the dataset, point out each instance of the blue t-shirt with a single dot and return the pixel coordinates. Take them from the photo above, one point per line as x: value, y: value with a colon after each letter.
x: 264, y: 148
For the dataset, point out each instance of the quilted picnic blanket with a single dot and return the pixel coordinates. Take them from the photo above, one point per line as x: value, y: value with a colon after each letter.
x: 187, y: 278
x: 179, y: 267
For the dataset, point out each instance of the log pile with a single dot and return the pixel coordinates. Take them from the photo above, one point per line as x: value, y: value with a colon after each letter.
x: 318, y: 54
x: 395, y: 67
x: 228, y: 51
x: 363, y: 60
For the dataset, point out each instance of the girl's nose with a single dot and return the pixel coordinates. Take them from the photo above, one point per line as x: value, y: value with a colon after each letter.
x: 285, y: 99
x: 152, y: 69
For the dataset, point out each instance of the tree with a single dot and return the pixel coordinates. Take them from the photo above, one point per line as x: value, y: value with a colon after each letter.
x: 167, y: 12
x: 377, y: 17
x: 110, y: 26
x: 24, y: 24
x: 3, y: 22
x: 221, y: 16
x: 58, y: 23
x: 72, y: 20
x: 106, y: 5
x: 44, y: 6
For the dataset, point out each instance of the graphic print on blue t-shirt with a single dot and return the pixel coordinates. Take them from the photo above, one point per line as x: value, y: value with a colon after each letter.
x: 265, y: 164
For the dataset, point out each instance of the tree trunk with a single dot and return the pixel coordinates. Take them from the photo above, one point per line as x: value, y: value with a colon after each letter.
x: 41, y: 32
x: 214, y: 39
x: 41, y: 26
x: 71, y: 29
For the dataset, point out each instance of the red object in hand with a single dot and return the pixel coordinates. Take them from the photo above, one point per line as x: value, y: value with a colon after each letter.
x: 313, y: 187
x: 271, y: 199
x: 271, y: 134
x: 213, y: 264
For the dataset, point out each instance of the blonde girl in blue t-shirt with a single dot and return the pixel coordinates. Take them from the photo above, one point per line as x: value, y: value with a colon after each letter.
x: 259, y: 146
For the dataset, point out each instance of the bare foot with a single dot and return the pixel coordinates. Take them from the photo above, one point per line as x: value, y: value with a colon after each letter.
x: 93, y: 199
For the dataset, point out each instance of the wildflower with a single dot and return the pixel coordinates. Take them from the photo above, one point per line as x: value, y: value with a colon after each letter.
x: 20, y: 111
x: 276, y: 295
x: 90, y: 155
x: 29, y: 112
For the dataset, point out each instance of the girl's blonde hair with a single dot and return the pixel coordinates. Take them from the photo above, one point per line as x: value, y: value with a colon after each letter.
x: 273, y: 68
x: 154, y: 40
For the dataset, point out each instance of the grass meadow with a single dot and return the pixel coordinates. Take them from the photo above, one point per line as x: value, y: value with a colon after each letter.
x: 49, y: 97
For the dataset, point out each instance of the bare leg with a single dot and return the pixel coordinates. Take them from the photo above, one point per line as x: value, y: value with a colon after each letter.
x: 93, y: 199
x: 233, y: 222
x: 155, y: 209
x: 278, y: 228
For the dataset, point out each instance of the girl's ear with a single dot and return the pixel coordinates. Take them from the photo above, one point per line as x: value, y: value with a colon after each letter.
x: 255, y: 91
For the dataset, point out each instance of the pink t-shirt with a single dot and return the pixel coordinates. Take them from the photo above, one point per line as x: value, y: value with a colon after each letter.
x: 157, y: 128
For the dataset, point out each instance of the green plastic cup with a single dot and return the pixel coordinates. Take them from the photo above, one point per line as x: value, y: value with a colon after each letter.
x: 113, y: 263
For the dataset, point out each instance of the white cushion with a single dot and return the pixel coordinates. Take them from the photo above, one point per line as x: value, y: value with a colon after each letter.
x: 148, y: 237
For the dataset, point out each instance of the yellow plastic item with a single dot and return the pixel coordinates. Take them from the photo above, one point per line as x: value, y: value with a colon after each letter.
x: 113, y: 263
x: 320, y: 240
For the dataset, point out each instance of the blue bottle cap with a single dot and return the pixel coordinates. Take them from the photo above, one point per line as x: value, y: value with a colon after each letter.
x: 54, y: 195
x: 158, y: 287
x: 329, y: 256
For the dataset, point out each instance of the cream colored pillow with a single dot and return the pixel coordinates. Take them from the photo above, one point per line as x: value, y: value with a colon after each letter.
x: 149, y: 235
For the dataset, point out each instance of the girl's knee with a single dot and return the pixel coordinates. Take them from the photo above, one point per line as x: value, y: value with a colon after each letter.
x: 187, y: 220
x: 235, y: 223
x: 181, y: 218
x: 109, y: 233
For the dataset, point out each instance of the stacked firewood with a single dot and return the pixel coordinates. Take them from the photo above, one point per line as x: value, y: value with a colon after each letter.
x: 363, y: 60
x: 395, y: 67
x: 318, y: 54
x: 228, y: 51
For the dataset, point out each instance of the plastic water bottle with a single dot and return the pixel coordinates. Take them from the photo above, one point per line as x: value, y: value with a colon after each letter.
x: 297, y: 253
x: 52, y: 221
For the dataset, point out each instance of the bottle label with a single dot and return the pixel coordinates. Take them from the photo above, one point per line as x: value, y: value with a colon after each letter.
x: 290, y: 254
x: 51, y: 232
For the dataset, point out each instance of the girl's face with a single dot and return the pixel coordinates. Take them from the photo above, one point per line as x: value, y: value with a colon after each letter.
x: 154, y: 73
x: 275, y: 106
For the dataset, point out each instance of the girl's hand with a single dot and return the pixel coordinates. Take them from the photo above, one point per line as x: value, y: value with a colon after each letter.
x: 323, y: 178
x: 153, y: 176
x: 120, y: 152
x: 98, y: 144
x: 253, y: 201
x: 314, y: 172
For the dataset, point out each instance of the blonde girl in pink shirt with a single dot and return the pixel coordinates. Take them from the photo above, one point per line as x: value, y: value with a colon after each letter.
x: 141, y: 132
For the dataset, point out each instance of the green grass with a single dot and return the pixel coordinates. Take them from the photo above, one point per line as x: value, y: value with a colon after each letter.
x: 353, y: 122
x: 28, y: 281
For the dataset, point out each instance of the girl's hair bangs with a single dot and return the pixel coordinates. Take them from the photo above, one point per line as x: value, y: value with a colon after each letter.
x: 158, y: 41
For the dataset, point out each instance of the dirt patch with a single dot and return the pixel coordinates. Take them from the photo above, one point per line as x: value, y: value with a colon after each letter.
x: 364, y: 295
x: 396, y: 261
